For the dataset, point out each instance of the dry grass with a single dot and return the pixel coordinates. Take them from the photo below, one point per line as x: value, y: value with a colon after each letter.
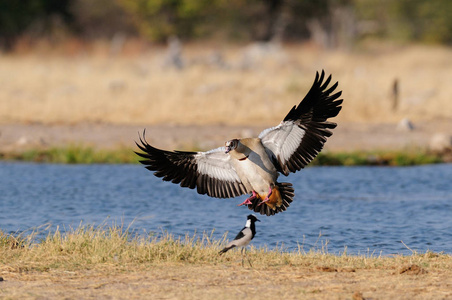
x: 138, y: 90
x: 107, y: 261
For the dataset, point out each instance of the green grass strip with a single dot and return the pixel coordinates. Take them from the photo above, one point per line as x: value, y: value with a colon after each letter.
x: 79, y: 154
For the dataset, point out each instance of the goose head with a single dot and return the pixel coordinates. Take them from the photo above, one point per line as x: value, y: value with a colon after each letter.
x: 231, y: 145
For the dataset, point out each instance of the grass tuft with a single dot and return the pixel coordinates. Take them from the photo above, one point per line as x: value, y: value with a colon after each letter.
x: 9, y: 241
x: 88, y: 246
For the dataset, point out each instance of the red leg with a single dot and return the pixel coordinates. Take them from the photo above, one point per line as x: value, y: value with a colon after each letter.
x: 268, y: 196
x: 248, y: 200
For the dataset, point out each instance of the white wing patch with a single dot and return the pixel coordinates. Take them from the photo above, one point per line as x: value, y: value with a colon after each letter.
x: 216, y: 163
x: 282, y: 140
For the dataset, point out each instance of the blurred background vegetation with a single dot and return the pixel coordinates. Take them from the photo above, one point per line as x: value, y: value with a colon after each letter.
x: 330, y: 23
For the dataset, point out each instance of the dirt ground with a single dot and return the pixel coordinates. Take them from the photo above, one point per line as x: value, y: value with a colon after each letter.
x: 346, y: 137
x: 229, y: 282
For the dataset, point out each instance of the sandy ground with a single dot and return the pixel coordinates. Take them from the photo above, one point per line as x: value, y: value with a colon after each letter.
x: 346, y: 137
x: 230, y: 282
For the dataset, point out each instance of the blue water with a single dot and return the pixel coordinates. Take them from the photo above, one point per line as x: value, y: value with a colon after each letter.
x: 362, y: 209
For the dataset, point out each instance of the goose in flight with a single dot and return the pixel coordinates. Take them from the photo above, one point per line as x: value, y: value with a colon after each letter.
x: 252, y: 165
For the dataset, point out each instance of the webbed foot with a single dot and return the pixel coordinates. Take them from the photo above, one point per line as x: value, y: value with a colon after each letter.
x: 248, y: 200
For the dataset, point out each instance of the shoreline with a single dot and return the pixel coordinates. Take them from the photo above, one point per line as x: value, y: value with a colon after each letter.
x: 350, y: 144
x: 346, y: 136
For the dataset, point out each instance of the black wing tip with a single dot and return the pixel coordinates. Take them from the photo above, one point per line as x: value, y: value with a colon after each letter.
x: 317, y: 97
x: 322, y: 85
x: 144, y: 146
x: 143, y: 143
x: 226, y: 249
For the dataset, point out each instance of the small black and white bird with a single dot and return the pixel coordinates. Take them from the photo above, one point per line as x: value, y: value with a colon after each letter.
x: 244, y: 237
x: 252, y: 165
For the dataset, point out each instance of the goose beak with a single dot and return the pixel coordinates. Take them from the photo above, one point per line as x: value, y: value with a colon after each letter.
x: 228, y: 146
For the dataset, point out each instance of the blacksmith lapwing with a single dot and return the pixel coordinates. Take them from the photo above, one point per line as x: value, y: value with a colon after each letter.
x: 244, y: 237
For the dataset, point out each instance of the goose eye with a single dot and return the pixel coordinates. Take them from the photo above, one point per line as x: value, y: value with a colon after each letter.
x: 231, y: 143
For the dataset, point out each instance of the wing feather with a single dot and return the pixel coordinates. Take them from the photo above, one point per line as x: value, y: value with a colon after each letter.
x: 298, y: 139
x: 209, y: 172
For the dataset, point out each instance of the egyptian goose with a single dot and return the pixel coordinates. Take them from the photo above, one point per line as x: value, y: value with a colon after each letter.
x: 252, y: 165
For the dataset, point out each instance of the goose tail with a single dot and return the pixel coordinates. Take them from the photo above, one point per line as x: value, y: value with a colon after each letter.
x: 282, y: 196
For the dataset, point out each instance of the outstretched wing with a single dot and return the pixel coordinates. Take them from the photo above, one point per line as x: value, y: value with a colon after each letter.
x: 210, y: 172
x: 298, y: 139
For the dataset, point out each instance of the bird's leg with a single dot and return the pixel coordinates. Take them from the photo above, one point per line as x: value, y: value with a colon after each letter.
x: 248, y: 200
x: 247, y: 258
x: 268, y: 196
x: 249, y: 261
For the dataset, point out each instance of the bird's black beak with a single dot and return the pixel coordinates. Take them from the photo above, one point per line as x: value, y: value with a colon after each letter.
x: 227, y: 149
x: 258, y: 220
